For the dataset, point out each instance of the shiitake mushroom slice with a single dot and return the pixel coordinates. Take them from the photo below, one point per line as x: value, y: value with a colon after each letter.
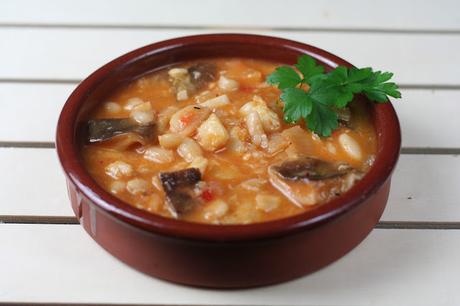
x: 196, y: 78
x: 201, y: 74
x: 306, y: 181
x: 99, y: 130
x: 311, y: 169
x: 178, y: 186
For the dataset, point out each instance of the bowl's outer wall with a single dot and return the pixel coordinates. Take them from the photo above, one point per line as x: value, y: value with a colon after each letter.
x: 226, y: 256
x: 234, y: 264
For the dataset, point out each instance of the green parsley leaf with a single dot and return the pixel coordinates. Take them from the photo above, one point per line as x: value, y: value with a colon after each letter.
x: 297, y: 104
x: 331, y: 89
x: 322, y: 119
x: 327, y: 91
x: 284, y: 77
x: 377, y: 90
x: 356, y: 75
x: 307, y: 66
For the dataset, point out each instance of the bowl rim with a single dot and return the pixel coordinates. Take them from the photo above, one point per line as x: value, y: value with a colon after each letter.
x: 385, y: 120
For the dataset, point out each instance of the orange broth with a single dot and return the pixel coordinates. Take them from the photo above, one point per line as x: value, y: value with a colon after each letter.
x: 235, y: 184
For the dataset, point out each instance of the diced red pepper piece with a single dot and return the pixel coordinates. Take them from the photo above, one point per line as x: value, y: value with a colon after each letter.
x: 207, y: 195
x: 247, y: 89
x: 186, y: 119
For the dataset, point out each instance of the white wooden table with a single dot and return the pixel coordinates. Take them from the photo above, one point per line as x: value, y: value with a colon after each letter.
x: 47, y: 47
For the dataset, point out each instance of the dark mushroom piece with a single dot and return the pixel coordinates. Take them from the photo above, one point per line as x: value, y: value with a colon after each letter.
x: 201, y: 74
x: 178, y: 187
x: 309, y: 181
x: 311, y: 169
x: 187, y: 82
x: 104, y: 129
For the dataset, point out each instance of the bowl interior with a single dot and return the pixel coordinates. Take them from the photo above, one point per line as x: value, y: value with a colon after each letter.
x: 98, y: 86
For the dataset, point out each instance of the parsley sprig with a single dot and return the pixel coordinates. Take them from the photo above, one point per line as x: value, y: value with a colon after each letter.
x: 327, y: 91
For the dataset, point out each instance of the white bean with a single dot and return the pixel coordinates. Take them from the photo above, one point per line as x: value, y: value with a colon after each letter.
x: 170, y: 140
x: 269, y: 118
x: 212, y: 134
x: 143, y: 113
x: 178, y: 73
x: 349, y: 181
x: 119, y: 169
x: 132, y: 102
x: 112, y: 107
x: 117, y: 187
x: 256, y: 130
x: 215, y: 210
x: 267, y: 202
x: 216, y: 102
x: 159, y: 155
x: 182, y: 95
x: 350, y: 146
x: 227, y: 84
x: 186, y: 120
x: 189, y: 150
x: 137, y: 186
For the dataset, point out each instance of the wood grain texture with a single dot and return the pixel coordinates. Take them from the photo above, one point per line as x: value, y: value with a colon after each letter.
x: 330, y: 14
x: 30, y: 111
x: 64, y: 54
x: 32, y: 183
x: 388, y: 268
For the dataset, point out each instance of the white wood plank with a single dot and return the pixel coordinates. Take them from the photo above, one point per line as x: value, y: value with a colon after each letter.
x: 427, y: 118
x: 390, y: 14
x: 33, y: 110
x: 416, y: 192
x: 60, y: 263
x: 32, y: 183
x: 30, y: 111
x: 425, y: 188
x: 75, y: 53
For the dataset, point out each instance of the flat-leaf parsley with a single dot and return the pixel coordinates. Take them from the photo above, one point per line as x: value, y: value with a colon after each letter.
x: 326, y: 92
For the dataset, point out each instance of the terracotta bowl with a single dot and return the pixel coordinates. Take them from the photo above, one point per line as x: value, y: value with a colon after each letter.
x: 220, y: 256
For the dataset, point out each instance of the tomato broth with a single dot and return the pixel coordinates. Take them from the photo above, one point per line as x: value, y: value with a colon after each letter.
x: 205, y: 141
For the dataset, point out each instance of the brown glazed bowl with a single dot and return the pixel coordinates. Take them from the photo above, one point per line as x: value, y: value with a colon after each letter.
x: 220, y: 256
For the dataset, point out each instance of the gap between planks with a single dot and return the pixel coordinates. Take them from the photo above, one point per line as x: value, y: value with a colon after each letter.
x: 406, y: 150
x: 109, y: 26
x: 68, y: 220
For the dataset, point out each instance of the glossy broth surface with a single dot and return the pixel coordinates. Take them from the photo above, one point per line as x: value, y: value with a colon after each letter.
x: 238, y: 144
